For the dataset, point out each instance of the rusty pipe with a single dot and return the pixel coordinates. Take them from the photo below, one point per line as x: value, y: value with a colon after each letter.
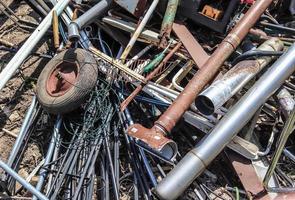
x: 151, y: 75
x: 169, y: 118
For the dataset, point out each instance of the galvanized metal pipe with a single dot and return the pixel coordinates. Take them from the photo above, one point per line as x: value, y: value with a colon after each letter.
x: 235, y: 79
x: 54, y: 139
x: 30, y: 43
x: 22, y: 181
x: 139, y: 29
x: 76, y: 25
x: 155, y: 137
x: 194, y: 163
x: 22, y: 132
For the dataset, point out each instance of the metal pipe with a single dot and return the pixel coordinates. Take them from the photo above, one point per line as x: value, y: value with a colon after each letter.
x: 55, y: 137
x: 167, y: 22
x: 235, y: 79
x: 173, y: 114
x: 139, y: 29
x: 22, y: 132
x: 30, y: 43
x: 22, y: 181
x: 194, y: 163
x: 151, y: 75
x: 76, y: 25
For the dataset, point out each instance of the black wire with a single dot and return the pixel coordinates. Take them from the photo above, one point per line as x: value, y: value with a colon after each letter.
x: 256, y: 53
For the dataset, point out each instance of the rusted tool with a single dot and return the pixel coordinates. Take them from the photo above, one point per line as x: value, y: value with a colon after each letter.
x: 168, y: 120
x: 125, y: 103
x: 55, y: 29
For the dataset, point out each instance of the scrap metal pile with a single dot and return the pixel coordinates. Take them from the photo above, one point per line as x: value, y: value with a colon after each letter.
x: 150, y: 99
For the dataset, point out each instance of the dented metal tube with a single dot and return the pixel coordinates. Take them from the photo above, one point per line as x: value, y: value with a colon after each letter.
x: 194, y: 163
x: 219, y: 92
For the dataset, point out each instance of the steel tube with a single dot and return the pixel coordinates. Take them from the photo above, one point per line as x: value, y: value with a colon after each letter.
x: 22, y: 181
x: 235, y: 79
x: 54, y: 139
x: 22, y: 132
x: 194, y: 163
x: 173, y: 114
x: 139, y: 29
x: 76, y: 25
x: 30, y: 43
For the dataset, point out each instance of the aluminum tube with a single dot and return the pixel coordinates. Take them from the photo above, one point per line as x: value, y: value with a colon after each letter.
x: 194, y: 163
x: 139, y: 29
x: 235, y: 79
x: 55, y: 137
x: 30, y: 43
x: 76, y: 25
x: 22, y: 181
x: 22, y: 133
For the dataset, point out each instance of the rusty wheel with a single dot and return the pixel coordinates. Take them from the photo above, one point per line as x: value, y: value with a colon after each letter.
x: 66, y: 80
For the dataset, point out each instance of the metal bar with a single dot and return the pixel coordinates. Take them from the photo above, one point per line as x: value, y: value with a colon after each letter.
x: 22, y: 133
x: 55, y: 137
x: 22, y: 181
x: 195, y: 161
x: 139, y: 29
x: 55, y: 29
x: 193, y: 47
x: 30, y: 43
x: 155, y: 137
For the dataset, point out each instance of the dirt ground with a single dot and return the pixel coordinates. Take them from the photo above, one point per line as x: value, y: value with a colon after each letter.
x: 16, y: 97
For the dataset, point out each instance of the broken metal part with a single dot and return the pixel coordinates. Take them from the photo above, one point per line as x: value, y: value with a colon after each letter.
x: 154, y: 139
x: 211, y: 145
x: 221, y: 90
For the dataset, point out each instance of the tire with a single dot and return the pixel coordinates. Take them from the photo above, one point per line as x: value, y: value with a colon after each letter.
x: 66, y: 80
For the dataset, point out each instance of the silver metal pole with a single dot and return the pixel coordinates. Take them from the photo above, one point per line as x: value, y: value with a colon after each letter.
x: 195, y: 161
x: 235, y: 79
x: 55, y: 137
x: 22, y: 181
x: 139, y: 29
x: 31, y: 42
x: 76, y: 25
x: 22, y: 133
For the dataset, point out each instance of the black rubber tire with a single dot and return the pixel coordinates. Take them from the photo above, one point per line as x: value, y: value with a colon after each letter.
x: 76, y: 95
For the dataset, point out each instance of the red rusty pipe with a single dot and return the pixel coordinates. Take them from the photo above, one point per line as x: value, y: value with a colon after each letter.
x: 169, y: 118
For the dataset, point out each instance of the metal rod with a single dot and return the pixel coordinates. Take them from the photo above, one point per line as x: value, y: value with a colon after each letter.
x: 54, y: 139
x: 139, y: 29
x: 22, y: 181
x: 30, y: 43
x: 194, y: 163
x: 22, y: 133
x: 55, y: 30
x: 155, y: 137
